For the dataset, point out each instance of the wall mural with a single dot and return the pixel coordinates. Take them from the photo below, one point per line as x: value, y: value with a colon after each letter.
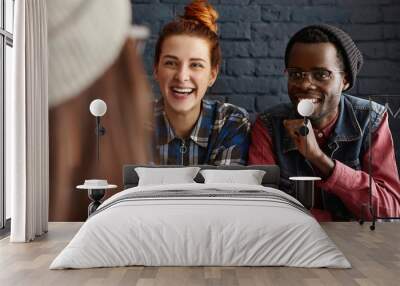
x: 253, y: 38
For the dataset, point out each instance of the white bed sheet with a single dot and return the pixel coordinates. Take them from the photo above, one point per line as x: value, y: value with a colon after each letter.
x: 200, y: 231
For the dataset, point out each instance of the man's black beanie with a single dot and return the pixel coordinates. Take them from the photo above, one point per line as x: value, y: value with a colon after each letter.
x: 353, y: 59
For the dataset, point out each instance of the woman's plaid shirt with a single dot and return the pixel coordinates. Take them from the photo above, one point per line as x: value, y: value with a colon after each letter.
x: 220, y: 137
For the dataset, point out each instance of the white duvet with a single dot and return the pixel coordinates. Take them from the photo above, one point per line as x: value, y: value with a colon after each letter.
x: 206, y: 230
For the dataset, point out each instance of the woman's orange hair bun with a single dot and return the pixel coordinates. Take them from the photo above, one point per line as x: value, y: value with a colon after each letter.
x: 203, y: 12
x: 199, y: 20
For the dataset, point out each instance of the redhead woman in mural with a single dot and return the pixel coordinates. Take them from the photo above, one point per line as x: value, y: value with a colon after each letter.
x: 190, y: 129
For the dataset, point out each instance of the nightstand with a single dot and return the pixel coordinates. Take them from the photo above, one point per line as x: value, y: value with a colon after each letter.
x: 96, y: 190
x: 305, y: 190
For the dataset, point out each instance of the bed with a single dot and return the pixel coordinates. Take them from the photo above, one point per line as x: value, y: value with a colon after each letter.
x: 174, y: 221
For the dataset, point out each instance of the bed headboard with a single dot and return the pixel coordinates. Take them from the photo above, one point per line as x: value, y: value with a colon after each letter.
x: 270, y: 179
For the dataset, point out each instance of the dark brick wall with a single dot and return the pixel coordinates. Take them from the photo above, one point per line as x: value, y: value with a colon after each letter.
x: 254, y: 34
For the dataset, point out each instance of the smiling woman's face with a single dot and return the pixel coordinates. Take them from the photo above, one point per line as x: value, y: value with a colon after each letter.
x: 306, y: 57
x: 184, y: 73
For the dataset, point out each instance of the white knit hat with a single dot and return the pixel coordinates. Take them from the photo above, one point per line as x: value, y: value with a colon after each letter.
x: 85, y: 38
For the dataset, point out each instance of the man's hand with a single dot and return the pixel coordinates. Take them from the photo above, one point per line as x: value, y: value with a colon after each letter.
x: 308, y: 146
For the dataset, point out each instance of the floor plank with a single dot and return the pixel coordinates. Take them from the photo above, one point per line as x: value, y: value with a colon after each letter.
x: 374, y: 255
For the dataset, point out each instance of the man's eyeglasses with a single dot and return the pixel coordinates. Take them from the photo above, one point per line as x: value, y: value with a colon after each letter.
x: 316, y: 76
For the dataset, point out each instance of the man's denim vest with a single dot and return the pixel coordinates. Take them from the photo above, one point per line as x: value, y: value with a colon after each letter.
x: 348, y: 143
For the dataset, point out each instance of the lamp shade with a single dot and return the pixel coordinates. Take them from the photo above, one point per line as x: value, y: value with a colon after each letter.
x: 305, y: 107
x: 98, y: 107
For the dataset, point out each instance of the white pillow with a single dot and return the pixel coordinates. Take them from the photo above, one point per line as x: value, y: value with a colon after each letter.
x: 163, y: 176
x: 248, y: 177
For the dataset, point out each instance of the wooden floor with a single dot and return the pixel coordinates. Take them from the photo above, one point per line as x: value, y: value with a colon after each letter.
x: 374, y: 255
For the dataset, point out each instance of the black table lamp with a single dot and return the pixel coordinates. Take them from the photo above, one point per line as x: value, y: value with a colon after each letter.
x: 96, y: 188
x: 305, y: 184
x: 370, y: 207
x: 98, y: 108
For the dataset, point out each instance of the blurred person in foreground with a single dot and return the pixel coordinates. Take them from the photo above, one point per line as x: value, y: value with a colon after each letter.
x: 322, y: 62
x: 190, y: 129
x: 92, y: 54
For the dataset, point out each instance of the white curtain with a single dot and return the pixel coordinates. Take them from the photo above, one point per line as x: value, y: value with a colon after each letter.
x: 27, y: 124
